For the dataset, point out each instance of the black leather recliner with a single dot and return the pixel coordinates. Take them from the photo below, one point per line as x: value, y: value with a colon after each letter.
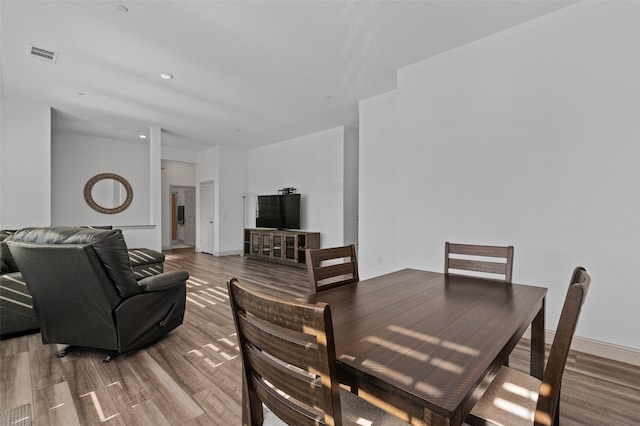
x: 86, y: 295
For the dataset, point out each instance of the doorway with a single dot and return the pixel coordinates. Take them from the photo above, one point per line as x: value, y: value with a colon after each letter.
x: 206, y: 217
x: 183, y: 216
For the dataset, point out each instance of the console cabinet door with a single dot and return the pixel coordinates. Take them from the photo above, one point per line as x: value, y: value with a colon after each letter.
x: 277, y: 241
x: 290, y: 244
x: 265, y: 245
x: 255, y: 243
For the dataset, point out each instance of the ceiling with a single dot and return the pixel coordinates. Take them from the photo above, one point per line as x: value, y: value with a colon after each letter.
x: 247, y: 73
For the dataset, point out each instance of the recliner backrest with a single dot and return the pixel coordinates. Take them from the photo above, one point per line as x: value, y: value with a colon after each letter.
x: 109, y: 246
x: 72, y: 293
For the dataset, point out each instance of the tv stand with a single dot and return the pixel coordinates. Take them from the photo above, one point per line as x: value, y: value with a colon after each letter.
x: 279, y: 246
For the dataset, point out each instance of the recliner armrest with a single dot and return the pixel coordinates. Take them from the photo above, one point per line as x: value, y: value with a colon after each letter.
x: 164, y: 281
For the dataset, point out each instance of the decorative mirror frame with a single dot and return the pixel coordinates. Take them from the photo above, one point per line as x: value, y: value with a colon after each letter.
x: 92, y: 203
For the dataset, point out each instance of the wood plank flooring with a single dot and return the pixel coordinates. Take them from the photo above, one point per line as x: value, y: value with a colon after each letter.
x: 192, y: 376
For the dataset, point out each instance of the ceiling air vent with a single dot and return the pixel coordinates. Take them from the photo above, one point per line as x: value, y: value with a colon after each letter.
x: 41, y: 54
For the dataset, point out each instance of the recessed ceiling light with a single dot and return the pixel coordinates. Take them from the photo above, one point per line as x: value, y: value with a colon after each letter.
x: 166, y: 75
x: 123, y: 9
x: 142, y: 136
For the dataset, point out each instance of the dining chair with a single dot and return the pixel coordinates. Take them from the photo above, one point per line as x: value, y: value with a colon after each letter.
x: 516, y: 398
x: 332, y: 267
x: 470, y: 257
x: 289, y: 364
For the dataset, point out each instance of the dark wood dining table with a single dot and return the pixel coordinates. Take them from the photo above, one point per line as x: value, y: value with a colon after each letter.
x: 424, y: 345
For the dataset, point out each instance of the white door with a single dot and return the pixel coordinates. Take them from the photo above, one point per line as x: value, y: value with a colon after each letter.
x: 206, y: 217
x: 190, y: 217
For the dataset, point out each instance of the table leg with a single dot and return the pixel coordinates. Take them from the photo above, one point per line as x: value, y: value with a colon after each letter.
x: 537, y: 343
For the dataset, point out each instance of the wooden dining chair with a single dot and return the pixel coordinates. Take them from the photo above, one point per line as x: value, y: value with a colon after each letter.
x: 516, y: 398
x: 332, y: 267
x: 289, y: 364
x: 470, y: 257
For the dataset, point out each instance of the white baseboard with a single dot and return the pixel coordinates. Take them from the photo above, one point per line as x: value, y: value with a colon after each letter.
x: 598, y: 348
x: 222, y: 253
x: 227, y: 253
x: 607, y: 350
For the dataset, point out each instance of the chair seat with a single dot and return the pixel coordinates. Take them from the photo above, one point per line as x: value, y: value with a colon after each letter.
x: 355, y: 411
x: 510, y: 400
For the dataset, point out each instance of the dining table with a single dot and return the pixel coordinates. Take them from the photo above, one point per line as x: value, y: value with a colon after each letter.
x: 425, y: 346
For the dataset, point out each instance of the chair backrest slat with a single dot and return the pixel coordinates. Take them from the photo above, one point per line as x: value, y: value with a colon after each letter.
x: 479, y: 250
x: 289, y: 413
x: 332, y: 253
x: 478, y: 266
x: 331, y: 267
x: 470, y: 261
x: 294, y: 317
x: 305, y: 386
x: 335, y: 270
x: 301, y: 352
x: 548, y: 398
x: 288, y: 357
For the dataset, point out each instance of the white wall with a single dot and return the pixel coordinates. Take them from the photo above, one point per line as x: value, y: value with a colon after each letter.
x: 227, y: 169
x: 350, y: 191
x: 233, y: 185
x: 314, y: 165
x: 42, y: 175
x: 379, y: 210
x: 25, y: 164
x: 174, y: 173
x: 176, y: 154
x: 529, y: 137
x: 76, y: 158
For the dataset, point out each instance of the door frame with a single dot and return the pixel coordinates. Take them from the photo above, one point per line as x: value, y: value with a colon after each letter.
x: 199, y: 212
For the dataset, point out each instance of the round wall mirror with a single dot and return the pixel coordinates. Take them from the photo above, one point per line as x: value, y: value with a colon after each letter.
x: 108, y: 193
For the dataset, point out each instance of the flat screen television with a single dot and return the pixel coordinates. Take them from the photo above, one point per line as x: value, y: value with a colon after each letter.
x: 278, y: 211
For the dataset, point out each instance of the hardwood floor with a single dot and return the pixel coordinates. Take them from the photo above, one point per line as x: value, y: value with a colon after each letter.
x: 192, y: 376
